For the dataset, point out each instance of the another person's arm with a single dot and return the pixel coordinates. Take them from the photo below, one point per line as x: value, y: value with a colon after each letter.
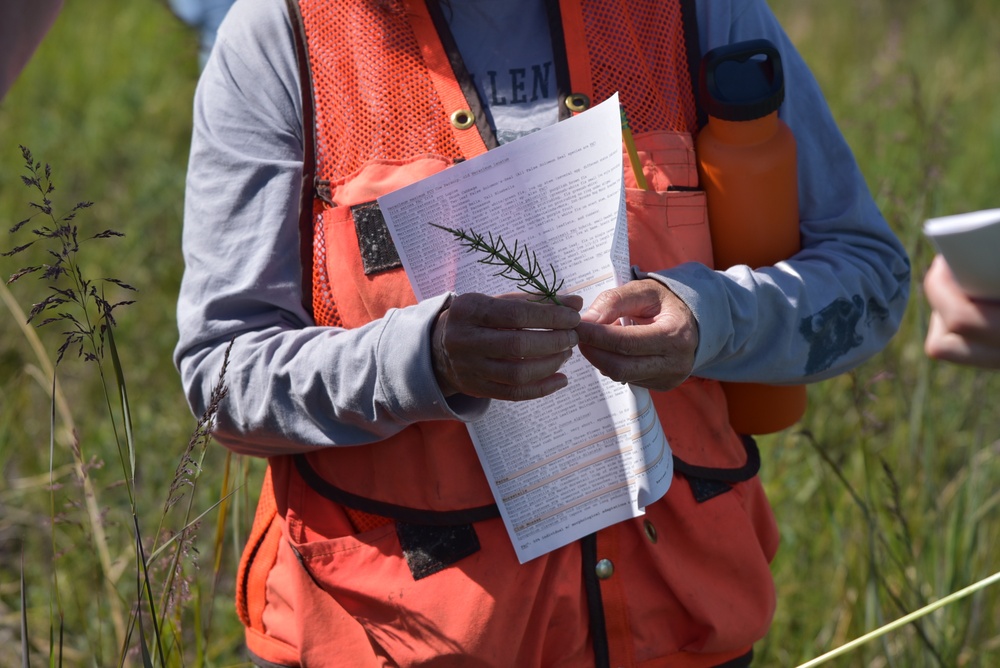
x: 23, y: 24
x: 961, y: 330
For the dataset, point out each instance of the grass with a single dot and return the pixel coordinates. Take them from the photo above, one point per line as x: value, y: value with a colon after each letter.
x: 886, y: 493
x: 107, y: 101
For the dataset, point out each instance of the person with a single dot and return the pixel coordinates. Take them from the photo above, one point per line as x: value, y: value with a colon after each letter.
x: 22, y: 27
x: 205, y: 16
x: 377, y: 540
x: 961, y: 329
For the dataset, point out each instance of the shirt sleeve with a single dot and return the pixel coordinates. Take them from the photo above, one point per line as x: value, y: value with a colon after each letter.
x: 292, y: 386
x: 840, y: 299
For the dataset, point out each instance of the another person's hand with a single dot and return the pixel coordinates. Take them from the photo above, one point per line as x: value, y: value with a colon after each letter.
x: 961, y: 330
x: 505, y: 347
x: 656, y: 351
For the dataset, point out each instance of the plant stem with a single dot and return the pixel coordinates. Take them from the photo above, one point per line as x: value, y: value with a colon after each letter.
x: 519, y: 265
x: 903, y: 621
x: 66, y: 437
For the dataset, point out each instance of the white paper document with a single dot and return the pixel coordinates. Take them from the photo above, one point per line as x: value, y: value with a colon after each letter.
x: 970, y: 242
x: 594, y: 453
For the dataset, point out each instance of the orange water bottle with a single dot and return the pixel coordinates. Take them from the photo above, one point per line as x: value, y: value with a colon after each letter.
x: 747, y: 166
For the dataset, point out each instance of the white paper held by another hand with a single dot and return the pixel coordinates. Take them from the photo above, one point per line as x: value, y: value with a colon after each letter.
x: 970, y: 242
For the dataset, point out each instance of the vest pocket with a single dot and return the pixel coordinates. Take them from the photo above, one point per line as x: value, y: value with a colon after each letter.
x: 667, y: 228
x: 364, y: 274
x: 668, y: 221
x: 366, y: 277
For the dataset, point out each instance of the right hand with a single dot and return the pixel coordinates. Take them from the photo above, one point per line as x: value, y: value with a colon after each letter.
x: 656, y: 351
x: 506, y: 347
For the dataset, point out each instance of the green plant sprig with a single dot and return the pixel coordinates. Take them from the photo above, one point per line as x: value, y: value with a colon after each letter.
x: 518, y: 264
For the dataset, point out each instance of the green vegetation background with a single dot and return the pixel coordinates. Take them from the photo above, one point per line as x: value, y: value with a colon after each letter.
x: 887, y: 493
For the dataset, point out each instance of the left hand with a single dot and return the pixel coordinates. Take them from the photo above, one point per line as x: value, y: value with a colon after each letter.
x: 656, y: 351
x: 961, y: 330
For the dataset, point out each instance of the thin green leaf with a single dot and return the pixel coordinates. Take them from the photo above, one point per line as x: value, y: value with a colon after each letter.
x: 123, y: 397
x: 153, y: 555
x: 25, y: 645
x: 220, y: 526
x: 902, y: 621
x: 147, y: 659
x: 145, y: 586
x: 519, y: 265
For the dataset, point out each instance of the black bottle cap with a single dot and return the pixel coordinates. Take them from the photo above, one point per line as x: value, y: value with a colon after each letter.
x: 742, y: 81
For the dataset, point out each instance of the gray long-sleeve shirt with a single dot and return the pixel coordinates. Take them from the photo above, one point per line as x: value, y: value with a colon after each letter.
x: 294, y: 386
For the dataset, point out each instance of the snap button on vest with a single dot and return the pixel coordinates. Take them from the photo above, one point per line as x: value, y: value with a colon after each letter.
x: 577, y: 102
x: 650, y: 531
x: 463, y: 119
x: 604, y: 569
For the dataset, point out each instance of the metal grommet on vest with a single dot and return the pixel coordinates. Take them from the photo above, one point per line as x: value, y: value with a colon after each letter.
x: 577, y: 102
x: 650, y: 531
x: 604, y: 569
x: 463, y: 119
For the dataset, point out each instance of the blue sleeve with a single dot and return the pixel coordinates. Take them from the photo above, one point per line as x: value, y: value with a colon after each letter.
x: 841, y: 298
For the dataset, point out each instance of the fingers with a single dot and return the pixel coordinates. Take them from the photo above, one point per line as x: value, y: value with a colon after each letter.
x: 942, y: 291
x: 943, y: 343
x: 637, y: 300
x: 656, y: 351
x: 516, y: 311
x: 503, y: 348
x: 659, y: 336
x: 960, y: 330
x: 574, y: 302
x: 652, y: 372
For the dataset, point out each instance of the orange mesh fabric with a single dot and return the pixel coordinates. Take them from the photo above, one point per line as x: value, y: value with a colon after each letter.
x: 638, y: 49
x: 362, y: 521
x: 374, y: 98
x: 324, y: 307
x: 258, y: 557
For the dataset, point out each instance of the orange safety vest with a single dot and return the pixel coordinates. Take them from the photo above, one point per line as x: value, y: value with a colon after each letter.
x: 393, y: 553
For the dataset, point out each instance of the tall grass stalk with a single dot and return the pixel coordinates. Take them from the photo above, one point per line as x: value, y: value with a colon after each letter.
x: 63, y: 431
x: 80, y: 305
x: 903, y: 621
x: 891, y: 506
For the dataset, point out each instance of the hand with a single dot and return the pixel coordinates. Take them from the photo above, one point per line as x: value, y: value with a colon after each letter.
x: 504, y: 347
x: 961, y: 330
x: 656, y: 351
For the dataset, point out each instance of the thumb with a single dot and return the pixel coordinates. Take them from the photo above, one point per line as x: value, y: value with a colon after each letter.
x: 605, y: 309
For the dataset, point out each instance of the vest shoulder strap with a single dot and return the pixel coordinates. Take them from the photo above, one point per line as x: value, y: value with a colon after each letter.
x: 689, y: 13
x: 307, y: 191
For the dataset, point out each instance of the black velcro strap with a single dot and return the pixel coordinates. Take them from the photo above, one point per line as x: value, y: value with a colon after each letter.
x: 429, y: 549
x: 378, y: 253
x: 440, y: 518
x: 739, y: 474
x: 708, y: 483
x: 705, y: 489
x: 689, y: 19
x: 739, y: 662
